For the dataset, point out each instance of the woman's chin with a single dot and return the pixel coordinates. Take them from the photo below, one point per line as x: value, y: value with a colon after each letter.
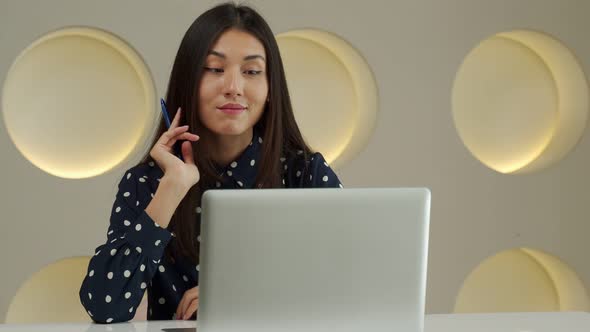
x: 230, y: 130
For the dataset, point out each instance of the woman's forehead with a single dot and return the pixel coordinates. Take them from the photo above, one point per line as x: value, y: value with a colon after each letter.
x: 237, y: 45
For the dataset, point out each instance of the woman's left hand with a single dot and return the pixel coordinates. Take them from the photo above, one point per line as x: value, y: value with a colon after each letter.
x: 189, y: 304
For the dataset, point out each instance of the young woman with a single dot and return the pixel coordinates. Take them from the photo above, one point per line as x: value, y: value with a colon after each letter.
x: 234, y: 128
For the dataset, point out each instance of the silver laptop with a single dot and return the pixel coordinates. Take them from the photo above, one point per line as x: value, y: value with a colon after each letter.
x: 313, y: 260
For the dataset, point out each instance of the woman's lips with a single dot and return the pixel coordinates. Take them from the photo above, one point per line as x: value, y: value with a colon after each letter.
x: 232, y: 109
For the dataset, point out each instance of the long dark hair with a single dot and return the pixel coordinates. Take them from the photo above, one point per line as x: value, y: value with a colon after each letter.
x: 277, y: 126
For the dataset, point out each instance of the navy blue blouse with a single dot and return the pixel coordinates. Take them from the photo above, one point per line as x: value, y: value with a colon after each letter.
x: 132, y: 259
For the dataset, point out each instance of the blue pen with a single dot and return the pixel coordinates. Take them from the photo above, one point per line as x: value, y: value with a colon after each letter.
x: 165, y: 112
x: 167, y: 120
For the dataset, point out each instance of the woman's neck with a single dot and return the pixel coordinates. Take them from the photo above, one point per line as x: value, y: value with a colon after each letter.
x: 227, y: 148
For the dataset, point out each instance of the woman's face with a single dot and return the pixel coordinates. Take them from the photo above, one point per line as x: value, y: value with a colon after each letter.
x: 234, y: 88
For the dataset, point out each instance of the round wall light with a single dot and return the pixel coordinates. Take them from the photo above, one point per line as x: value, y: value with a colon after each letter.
x: 333, y: 91
x: 522, y: 280
x: 78, y: 101
x: 520, y: 101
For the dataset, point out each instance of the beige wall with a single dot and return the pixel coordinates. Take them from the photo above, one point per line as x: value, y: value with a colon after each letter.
x: 414, y: 48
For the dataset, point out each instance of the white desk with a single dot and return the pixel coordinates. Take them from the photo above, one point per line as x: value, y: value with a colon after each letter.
x: 510, y: 322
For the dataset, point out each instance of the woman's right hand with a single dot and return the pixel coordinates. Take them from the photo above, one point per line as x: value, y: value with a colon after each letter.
x: 183, y: 173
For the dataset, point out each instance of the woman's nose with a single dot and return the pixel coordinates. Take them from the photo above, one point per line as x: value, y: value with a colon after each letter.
x: 233, y: 85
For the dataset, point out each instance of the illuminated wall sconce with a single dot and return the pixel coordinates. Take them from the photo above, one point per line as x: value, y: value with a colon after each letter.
x: 520, y: 101
x: 522, y: 280
x: 52, y: 293
x: 333, y: 91
x: 78, y: 101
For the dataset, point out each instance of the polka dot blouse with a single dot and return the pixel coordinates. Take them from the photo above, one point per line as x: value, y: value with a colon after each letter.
x: 132, y: 259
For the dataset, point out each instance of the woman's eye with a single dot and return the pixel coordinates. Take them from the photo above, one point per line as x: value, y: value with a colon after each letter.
x: 214, y: 70
x: 253, y: 72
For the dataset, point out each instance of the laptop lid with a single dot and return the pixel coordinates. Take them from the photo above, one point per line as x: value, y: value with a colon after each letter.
x: 313, y: 260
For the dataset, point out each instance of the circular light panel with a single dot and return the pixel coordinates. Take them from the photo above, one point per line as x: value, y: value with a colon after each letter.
x: 333, y: 92
x: 78, y: 101
x: 521, y: 280
x: 520, y: 101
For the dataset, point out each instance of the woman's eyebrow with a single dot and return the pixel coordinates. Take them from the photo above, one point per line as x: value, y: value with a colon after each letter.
x: 246, y: 58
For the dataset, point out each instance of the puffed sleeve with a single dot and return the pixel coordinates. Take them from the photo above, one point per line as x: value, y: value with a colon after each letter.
x: 121, y: 268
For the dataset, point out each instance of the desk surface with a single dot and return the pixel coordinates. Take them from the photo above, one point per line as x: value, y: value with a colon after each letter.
x: 504, y: 322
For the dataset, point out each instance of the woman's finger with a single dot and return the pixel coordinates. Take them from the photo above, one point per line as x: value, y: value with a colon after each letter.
x: 180, y: 305
x: 187, y: 153
x: 176, y: 119
x: 184, y: 136
x: 187, y: 137
x: 188, y: 296
x: 168, y: 137
x: 191, y: 309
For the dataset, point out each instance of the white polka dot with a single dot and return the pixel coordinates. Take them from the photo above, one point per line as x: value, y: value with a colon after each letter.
x: 199, y: 238
x: 217, y: 184
x: 127, y: 273
x: 98, y: 252
x: 298, y: 174
x: 198, y: 268
x: 162, y: 300
x: 126, y: 222
x: 113, y: 252
x: 126, y: 194
x: 110, y: 275
x: 150, y: 312
x: 299, y: 151
x: 174, y: 287
x: 89, y: 296
x: 113, y: 240
x: 108, y: 299
x: 143, y: 285
x: 161, y: 268
x: 283, y: 159
x: 252, y: 162
x: 128, y: 176
x: 229, y: 173
x: 110, y: 232
x: 326, y: 164
x: 234, y: 164
x: 127, y: 295
x: 185, y: 278
x: 138, y: 249
x: 127, y: 252
x: 156, y: 225
x: 286, y: 166
x: 131, y: 309
x: 157, y: 243
x: 283, y: 181
x: 90, y: 313
x: 152, y: 194
x: 325, y: 178
x: 240, y: 184
x: 137, y: 203
x: 109, y: 320
x: 340, y: 185
x: 260, y: 139
x: 151, y: 163
x: 141, y: 180
x: 118, y: 209
x: 138, y: 227
x: 310, y: 176
x: 91, y: 273
x: 198, y: 209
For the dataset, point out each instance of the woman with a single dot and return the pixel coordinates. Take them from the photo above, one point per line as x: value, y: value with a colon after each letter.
x: 235, y: 128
